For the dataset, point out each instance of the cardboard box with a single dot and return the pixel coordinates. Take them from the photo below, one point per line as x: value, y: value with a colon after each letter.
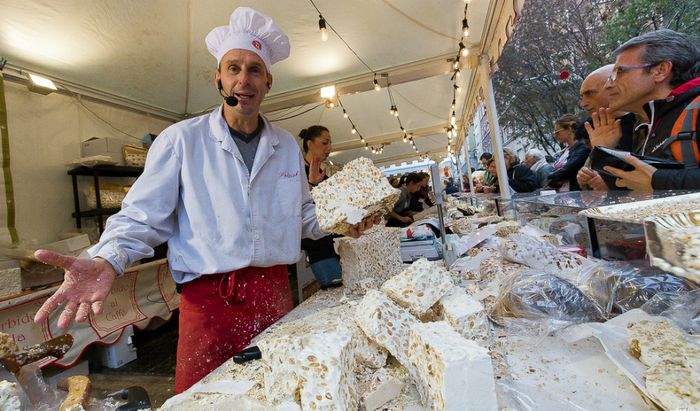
x: 121, y: 352
x: 69, y: 245
x: 105, y: 146
x: 10, y: 279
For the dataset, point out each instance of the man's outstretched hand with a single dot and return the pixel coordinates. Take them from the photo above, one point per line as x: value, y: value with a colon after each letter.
x: 86, y: 284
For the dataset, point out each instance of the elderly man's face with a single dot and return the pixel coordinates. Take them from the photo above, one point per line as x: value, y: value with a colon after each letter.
x: 529, y: 160
x: 243, y: 74
x: 593, y: 94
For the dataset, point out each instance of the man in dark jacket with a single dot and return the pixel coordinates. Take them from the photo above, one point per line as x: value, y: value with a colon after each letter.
x: 656, y: 75
x: 520, y: 178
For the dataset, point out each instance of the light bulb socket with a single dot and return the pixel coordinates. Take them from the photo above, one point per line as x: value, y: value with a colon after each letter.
x: 321, y: 22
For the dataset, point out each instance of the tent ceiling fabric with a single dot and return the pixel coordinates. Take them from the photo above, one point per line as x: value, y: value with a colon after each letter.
x: 153, y: 52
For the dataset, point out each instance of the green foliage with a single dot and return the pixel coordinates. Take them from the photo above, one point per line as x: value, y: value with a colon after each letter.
x: 574, y: 35
x: 631, y: 18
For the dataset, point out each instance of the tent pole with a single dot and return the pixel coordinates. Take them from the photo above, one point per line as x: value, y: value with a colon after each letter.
x: 495, y: 130
x: 469, y: 162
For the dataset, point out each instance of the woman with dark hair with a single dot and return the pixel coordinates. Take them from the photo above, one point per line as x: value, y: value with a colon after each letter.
x: 325, y: 263
x: 422, y: 196
x: 401, y: 214
x: 572, y: 158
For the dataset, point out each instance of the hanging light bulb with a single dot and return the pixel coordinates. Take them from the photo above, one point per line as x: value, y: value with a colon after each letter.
x: 362, y: 139
x: 366, y: 147
x: 458, y: 89
x: 396, y: 111
x: 392, y: 110
x: 457, y: 73
x: 405, y: 139
x: 345, y: 113
x: 453, y: 104
x: 454, y: 132
x: 353, y: 131
x: 465, y: 52
x: 465, y: 27
x: 377, y: 87
x: 455, y: 65
x: 453, y: 119
x: 322, y: 28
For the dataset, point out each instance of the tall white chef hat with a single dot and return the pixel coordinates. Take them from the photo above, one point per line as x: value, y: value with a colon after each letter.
x: 251, y: 30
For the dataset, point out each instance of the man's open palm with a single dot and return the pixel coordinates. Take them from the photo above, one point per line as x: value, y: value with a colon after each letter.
x: 86, y: 283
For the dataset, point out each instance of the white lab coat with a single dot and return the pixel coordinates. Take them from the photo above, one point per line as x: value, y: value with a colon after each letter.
x: 196, y: 194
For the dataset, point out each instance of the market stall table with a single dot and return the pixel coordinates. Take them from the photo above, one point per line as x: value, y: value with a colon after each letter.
x: 531, y: 371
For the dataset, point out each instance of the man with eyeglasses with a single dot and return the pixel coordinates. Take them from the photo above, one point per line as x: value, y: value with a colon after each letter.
x: 657, y: 76
x: 594, y: 96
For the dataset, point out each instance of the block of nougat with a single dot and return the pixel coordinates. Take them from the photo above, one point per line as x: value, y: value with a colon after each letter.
x: 318, y: 366
x: 453, y: 373
x: 382, y: 388
x: 7, y: 345
x: 9, y: 397
x: 465, y: 314
x: 358, y: 190
x: 495, y: 268
x: 674, y: 386
x: 658, y: 342
x: 371, y: 259
x: 419, y: 286
x: 284, y: 376
x: 386, y: 323
x: 541, y: 255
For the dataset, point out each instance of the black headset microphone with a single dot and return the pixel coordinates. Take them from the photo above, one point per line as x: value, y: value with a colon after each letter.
x: 231, y: 101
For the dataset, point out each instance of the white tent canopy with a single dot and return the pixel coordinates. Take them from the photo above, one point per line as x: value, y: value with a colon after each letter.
x: 135, y: 66
x: 150, y: 55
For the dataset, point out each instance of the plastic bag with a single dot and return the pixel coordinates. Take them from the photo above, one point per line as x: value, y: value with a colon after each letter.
x: 683, y: 309
x: 543, y: 256
x: 619, y: 286
x: 535, y: 295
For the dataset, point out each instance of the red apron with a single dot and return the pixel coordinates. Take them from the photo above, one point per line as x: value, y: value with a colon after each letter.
x: 221, y: 313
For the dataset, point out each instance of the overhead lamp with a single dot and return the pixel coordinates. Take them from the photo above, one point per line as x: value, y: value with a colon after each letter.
x: 322, y: 28
x: 455, y: 65
x: 354, y: 130
x: 458, y: 88
x: 328, y: 92
x: 329, y: 103
x: 453, y: 104
x: 453, y: 119
x: 377, y: 87
x: 345, y: 113
x: 465, y: 27
x: 40, y: 84
x: 366, y: 147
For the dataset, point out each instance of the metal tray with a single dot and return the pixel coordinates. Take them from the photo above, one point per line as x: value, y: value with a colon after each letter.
x: 667, y: 251
x: 636, y: 212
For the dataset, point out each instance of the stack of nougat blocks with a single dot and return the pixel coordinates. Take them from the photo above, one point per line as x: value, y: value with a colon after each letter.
x: 357, y: 191
x: 371, y: 259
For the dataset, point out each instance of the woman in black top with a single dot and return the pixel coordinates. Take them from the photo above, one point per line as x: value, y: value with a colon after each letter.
x: 572, y: 158
x: 325, y: 263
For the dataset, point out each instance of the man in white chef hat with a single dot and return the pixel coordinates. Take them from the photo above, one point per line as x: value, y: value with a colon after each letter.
x: 228, y: 193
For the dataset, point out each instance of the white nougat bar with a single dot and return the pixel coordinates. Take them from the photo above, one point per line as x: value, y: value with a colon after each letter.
x: 321, y: 336
x: 371, y: 259
x: 358, y: 190
x: 419, y: 286
x: 386, y: 323
x: 452, y: 373
x: 465, y: 314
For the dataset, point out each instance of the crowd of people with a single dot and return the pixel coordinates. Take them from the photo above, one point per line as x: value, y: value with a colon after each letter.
x: 646, y: 104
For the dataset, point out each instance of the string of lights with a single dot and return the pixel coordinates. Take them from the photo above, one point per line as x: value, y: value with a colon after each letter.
x: 451, y: 131
x: 323, y: 26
